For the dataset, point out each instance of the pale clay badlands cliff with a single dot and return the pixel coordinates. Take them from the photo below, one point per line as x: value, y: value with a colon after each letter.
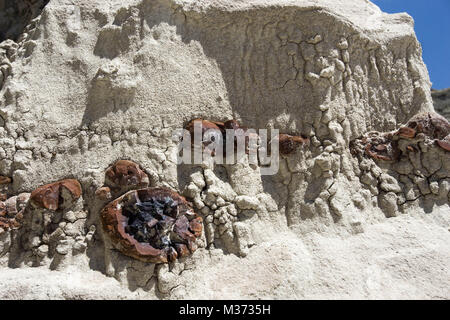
x: 361, y: 211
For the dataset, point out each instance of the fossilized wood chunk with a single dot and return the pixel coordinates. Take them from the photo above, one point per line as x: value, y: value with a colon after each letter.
x: 205, y: 126
x: 432, y: 125
x: 53, y: 196
x: 11, y: 211
x: 289, y: 144
x: 406, y: 132
x: 444, y: 143
x: 218, y: 133
x: 5, y: 180
x: 125, y: 173
x: 385, y: 146
x: 232, y: 124
x: 103, y: 193
x: 378, y: 146
x: 241, y: 134
x: 2, y: 209
x: 154, y: 225
x: 196, y: 226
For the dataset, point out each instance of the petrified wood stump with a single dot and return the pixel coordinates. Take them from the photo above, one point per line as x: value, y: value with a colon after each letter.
x: 154, y: 225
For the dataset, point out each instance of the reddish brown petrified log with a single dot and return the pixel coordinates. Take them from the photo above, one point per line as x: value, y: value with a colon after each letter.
x: 103, y: 193
x: 288, y: 143
x: 204, y: 125
x: 154, y: 225
x: 210, y: 132
x: 50, y: 196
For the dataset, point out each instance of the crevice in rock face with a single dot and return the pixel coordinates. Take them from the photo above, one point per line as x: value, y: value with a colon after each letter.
x: 16, y: 14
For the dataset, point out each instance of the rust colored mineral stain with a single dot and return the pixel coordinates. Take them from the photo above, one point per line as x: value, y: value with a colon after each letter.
x: 49, y: 195
x: 166, y: 234
x: 5, y: 180
x: 289, y: 144
x: 126, y: 173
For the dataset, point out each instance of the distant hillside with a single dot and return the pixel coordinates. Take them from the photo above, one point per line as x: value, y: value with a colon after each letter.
x: 441, y: 100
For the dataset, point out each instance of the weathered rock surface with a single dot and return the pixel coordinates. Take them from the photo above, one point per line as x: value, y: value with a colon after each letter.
x: 86, y: 85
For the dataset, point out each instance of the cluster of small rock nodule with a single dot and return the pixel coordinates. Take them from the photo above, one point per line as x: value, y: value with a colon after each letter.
x: 18, y: 23
x: 46, y: 225
x: 16, y: 15
x: 407, y: 165
x: 151, y: 221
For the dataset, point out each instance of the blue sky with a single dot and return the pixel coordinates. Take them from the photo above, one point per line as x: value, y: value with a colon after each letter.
x: 432, y: 26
